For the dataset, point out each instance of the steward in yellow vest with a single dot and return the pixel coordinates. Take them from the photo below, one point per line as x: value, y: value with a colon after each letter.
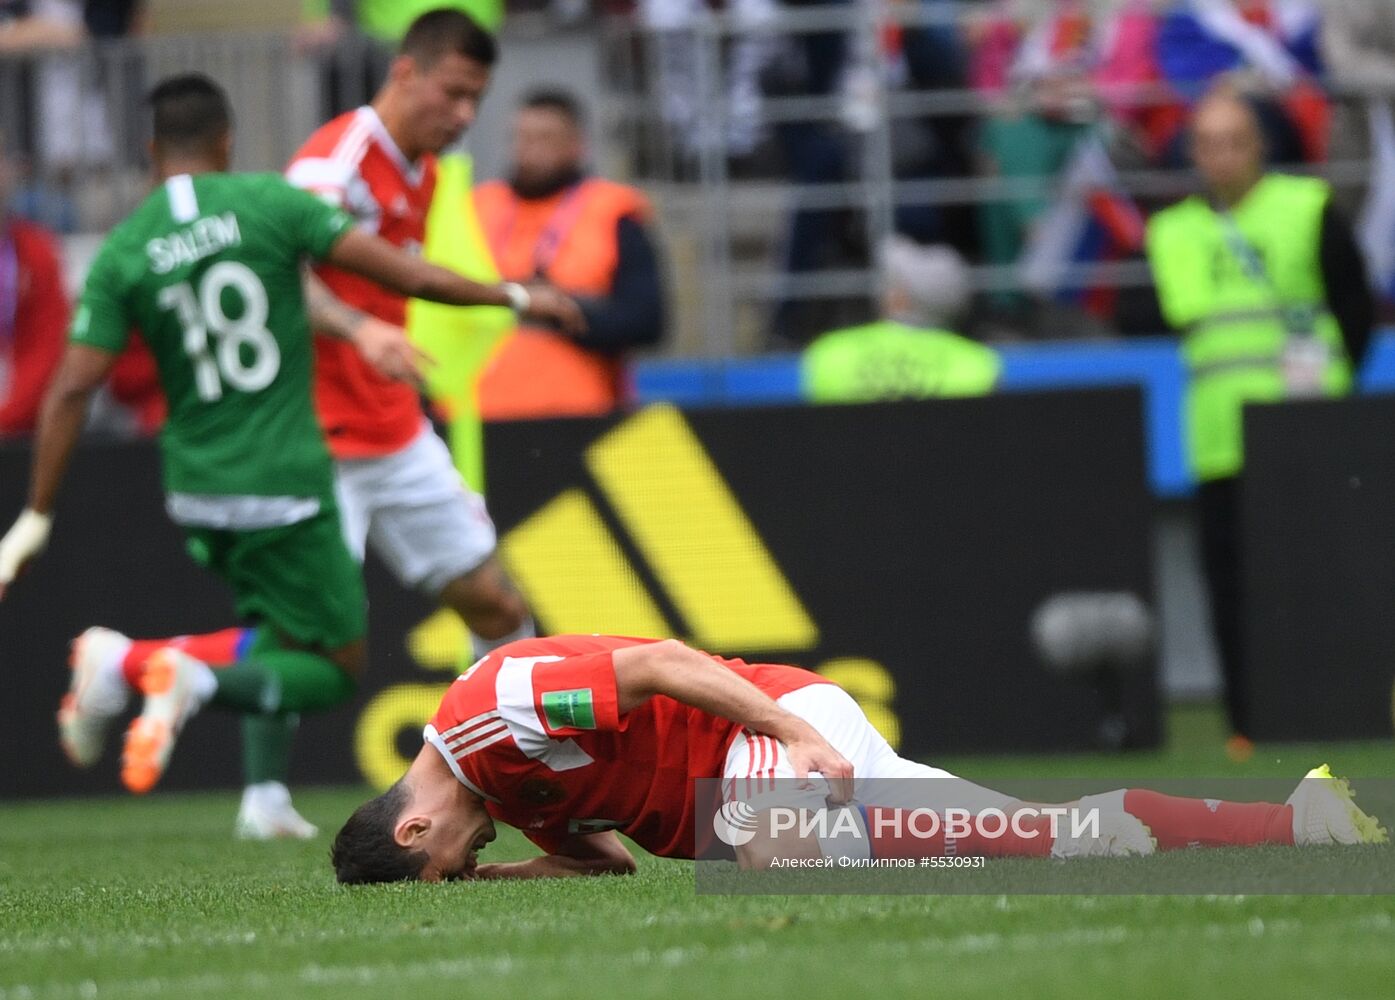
x: 1248, y: 283
x: 1262, y: 278
x: 907, y: 355
x: 893, y: 360
x: 588, y: 237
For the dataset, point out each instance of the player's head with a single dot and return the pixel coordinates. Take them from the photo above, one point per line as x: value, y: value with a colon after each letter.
x: 549, y: 141
x: 398, y: 837
x: 438, y: 79
x: 191, y: 120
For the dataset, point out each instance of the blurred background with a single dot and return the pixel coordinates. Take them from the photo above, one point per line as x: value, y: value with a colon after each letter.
x: 818, y: 180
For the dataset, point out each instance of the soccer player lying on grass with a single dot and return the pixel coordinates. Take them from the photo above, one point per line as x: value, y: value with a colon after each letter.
x: 208, y: 268
x: 573, y: 738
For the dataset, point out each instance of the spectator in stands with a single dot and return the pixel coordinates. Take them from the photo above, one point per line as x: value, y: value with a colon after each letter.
x: 552, y: 221
x: 1262, y: 277
x: 33, y: 314
x: 1358, y: 49
x: 928, y: 57
x: 1270, y: 47
x: 808, y: 64
x: 68, y: 95
x: 679, y: 75
x: 1068, y: 62
x: 911, y: 352
x: 1358, y: 43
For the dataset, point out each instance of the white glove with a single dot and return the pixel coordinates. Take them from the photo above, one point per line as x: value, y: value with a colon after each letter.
x: 22, y: 542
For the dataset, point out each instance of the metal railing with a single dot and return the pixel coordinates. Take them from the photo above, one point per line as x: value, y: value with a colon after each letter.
x: 717, y: 208
x: 75, y: 123
x: 76, y: 119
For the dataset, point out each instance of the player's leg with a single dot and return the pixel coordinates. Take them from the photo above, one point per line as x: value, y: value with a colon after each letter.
x: 106, y: 667
x: 436, y: 536
x: 486, y: 599
x: 887, y: 788
x: 1321, y: 810
x: 303, y: 585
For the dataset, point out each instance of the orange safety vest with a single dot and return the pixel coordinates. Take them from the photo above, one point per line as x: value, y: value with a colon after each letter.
x: 569, y: 240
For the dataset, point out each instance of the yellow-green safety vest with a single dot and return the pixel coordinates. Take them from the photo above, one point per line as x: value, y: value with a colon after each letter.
x: 890, y: 360
x: 1242, y: 289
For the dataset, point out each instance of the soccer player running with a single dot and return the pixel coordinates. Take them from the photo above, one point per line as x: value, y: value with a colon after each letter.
x: 396, y: 485
x: 398, y: 488
x: 209, y: 269
x: 573, y: 738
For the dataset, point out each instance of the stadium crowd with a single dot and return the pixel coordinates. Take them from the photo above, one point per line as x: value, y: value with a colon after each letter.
x: 1070, y: 100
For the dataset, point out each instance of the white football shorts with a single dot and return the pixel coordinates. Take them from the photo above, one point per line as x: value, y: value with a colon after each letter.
x: 758, y: 771
x: 416, y: 512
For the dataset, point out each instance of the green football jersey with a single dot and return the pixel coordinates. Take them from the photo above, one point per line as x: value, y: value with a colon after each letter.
x: 208, y: 270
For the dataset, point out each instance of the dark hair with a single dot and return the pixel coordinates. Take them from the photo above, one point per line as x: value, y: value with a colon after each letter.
x: 558, y: 101
x: 190, y: 112
x: 446, y: 31
x: 364, y: 850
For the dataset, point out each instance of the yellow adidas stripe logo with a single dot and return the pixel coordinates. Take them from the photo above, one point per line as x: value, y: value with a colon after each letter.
x: 681, y: 518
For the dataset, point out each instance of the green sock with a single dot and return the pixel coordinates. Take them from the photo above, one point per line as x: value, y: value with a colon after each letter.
x: 281, y: 680
x: 266, y: 747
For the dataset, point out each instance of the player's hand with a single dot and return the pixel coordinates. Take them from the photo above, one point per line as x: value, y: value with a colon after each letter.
x: 547, y: 304
x: 386, y: 348
x: 812, y: 752
x: 25, y: 540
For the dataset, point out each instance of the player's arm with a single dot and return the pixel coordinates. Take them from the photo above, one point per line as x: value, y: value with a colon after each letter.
x: 671, y: 668
x: 582, y: 854
x: 383, y: 345
x: 375, y: 258
x: 82, y: 372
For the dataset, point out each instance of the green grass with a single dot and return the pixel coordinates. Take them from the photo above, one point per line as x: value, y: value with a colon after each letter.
x: 125, y: 898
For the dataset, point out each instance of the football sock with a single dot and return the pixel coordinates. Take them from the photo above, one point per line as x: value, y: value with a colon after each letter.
x: 266, y: 747
x: 901, y: 833
x: 1180, y: 822
x: 483, y: 647
x: 217, y: 649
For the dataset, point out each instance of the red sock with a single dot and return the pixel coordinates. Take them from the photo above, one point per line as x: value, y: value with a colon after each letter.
x: 900, y: 833
x: 1178, y: 822
x: 217, y: 649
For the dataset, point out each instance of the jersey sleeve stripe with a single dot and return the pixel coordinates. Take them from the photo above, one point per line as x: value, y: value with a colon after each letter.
x: 432, y: 737
x: 457, y: 742
x: 769, y: 775
x: 317, y: 174
x: 350, y: 149
x: 470, y: 723
x: 482, y: 739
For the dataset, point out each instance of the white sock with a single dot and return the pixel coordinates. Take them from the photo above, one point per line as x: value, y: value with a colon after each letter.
x: 267, y: 793
x: 204, y: 682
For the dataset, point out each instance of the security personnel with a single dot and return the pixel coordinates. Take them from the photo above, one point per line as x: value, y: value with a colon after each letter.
x: 905, y: 355
x: 588, y: 236
x: 1264, y: 281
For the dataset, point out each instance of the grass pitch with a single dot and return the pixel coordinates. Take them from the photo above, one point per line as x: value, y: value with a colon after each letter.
x: 125, y: 898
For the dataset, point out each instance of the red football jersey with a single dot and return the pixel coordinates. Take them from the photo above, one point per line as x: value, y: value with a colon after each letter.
x: 353, y: 162
x: 535, y: 729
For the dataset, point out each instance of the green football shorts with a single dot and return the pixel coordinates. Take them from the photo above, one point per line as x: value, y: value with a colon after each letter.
x: 299, y: 580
